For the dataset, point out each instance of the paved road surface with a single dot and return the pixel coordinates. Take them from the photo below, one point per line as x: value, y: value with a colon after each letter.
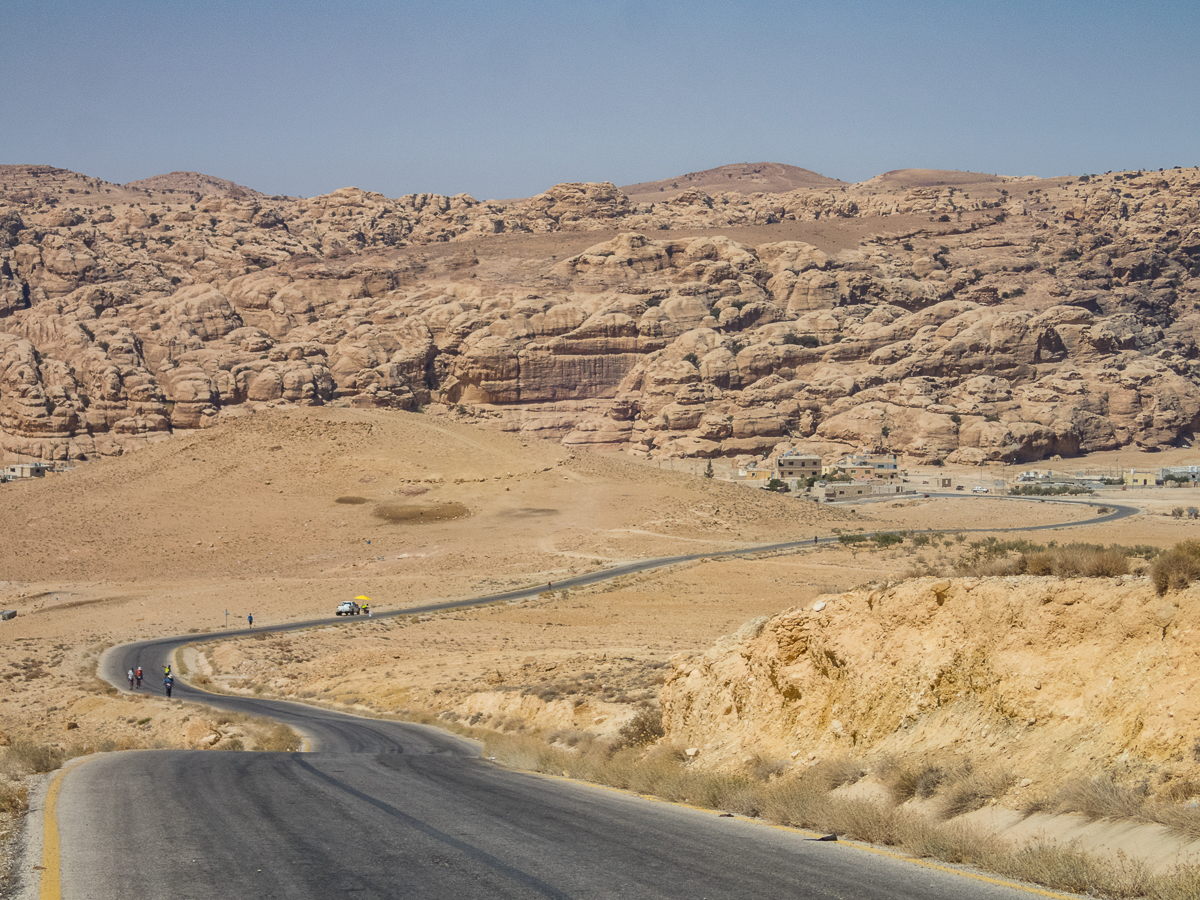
x: 415, y: 813
x: 387, y: 809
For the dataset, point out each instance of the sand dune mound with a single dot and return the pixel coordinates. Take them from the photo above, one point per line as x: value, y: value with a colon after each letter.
x: 313, y: 491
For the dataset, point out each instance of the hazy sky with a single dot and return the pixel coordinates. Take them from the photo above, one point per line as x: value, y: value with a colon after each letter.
x: 503, y: 99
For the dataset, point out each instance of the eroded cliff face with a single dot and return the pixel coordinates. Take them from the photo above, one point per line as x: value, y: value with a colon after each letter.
x: 1013, y: 319
x: 1042, y: 674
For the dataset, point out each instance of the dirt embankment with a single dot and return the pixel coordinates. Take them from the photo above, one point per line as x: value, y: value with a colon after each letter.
x: 1044, y: 676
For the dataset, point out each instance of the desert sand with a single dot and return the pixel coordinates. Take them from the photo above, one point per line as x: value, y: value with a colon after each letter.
x: 285, y: 512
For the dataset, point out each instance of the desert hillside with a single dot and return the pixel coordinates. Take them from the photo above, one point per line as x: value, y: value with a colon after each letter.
x: 944, y: 316
x: 1045, y: 675
x: 746, y: 178
x: 284, y: 513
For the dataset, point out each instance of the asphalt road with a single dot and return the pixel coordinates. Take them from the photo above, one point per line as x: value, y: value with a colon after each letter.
x: 416, y: 813
x: 128, y: 655
x: 388, y: 809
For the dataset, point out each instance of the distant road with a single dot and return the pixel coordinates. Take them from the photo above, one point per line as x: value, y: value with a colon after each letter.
x: 125, y: 657
x: 386, y: 809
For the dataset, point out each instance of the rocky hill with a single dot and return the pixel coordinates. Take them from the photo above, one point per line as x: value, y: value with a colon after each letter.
x: 990, y: 318
x: 748, y: 178
x: 1044, y: 675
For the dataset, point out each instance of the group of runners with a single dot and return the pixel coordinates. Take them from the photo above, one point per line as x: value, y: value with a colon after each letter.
x: 135, y: 679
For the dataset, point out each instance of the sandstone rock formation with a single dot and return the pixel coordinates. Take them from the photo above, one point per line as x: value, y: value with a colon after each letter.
x: 1047, y: 672
x: 943, y: 316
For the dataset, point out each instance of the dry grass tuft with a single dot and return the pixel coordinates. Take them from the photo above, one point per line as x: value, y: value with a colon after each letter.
x: 644, y: 728
x: 1098, y: 798
x: 994, y: 557
x: 1177, y: 568
x: 14, y: 798
x: 906, y: 778
x: 973, y: 791
x: 834, y: 772
x: 278, y: 738
x: 27, y: 758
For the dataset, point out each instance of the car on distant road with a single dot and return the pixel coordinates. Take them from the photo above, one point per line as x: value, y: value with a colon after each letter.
x: 979, y: 489
x: 348, y: 608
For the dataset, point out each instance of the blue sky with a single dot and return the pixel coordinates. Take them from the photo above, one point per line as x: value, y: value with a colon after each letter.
x: 505, y: 99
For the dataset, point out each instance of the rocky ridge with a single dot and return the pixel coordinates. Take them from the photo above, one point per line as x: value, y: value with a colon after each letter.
x: 1001, y: 318
x: 1047, y: 676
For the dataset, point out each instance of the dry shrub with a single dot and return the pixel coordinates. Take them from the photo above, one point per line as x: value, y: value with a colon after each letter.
x: 1181, y: 884
x: 568, y: 737
x: 278, y: 738
x: 1075, y: 560
x: 523, y: 752
x: 1038, y: 563
x: 973, y: 791
x: 27, y: 758
x: 644, y: 728
x: 996, y: 567
x: 794, y: 801
x: 1179, y: 790
x: 862, y: 820
x: 1068, y: 868
x: 834, y: 772
x: 909, y: 777
x: 1184, y: 820
x: 1098, y: 798
x: 1177, y: 568
x: 764, y: 768
x: 14, y: 798
x: 1105, y: 564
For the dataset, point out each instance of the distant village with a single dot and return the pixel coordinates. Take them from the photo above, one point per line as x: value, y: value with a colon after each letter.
x: 865, y: 475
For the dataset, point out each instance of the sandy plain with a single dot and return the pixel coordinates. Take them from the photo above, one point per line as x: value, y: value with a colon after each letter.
x: 286, y: 512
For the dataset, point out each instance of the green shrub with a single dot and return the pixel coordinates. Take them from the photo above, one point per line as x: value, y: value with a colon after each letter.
x: 802, y: 340
x: 1044, y: 490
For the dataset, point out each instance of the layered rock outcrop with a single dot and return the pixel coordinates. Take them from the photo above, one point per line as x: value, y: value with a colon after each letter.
x: 1047, y: 672
x: 1010, y: 319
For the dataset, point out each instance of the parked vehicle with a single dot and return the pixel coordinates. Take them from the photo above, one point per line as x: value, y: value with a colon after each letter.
x: 979, y: 489
x: 348, y: 608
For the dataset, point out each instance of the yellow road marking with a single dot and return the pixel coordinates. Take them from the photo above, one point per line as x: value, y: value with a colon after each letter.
x: 51, y: 886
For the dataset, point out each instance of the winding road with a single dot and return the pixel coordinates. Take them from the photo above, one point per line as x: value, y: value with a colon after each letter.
x: 382, y: 809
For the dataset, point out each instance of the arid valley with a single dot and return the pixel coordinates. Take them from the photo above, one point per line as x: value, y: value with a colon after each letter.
x: 269, y: 405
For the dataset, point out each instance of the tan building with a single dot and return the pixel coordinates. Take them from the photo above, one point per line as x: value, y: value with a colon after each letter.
x: 1140, y: 477
x: 25, y: 470
x: 865, y: 466
x: 796, y: 466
